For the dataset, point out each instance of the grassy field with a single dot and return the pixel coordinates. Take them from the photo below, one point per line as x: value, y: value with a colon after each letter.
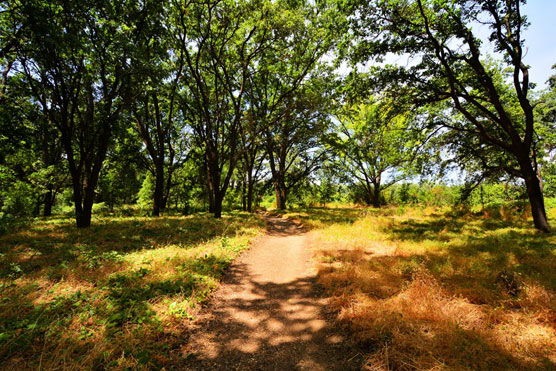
x: 117, y: 295
x: 426, y: 289
x: 420, y: 288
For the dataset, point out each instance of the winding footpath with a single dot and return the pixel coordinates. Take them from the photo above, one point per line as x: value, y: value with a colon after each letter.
x: 269, y: 313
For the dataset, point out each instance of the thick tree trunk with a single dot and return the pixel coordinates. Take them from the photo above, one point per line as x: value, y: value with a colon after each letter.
x: 375, y: 197
x: 48, y: 201
x: 535, y: 194
x: 536, y: 199
x: 211, y: 202
x: 218, y: 206
x: 281, y: 194
x: 83, y: 217
x: 87, y: 209
x: 82, y: 213
x: 84, y: 193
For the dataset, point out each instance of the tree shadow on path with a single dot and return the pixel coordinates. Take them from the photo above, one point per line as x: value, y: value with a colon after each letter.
x: 263, y: 322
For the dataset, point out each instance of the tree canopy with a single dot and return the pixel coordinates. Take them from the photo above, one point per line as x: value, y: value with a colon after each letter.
x: 222, y: 103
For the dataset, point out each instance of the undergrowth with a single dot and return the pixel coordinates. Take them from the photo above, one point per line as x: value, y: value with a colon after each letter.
x: 437, y: 289
x: 120, y: 294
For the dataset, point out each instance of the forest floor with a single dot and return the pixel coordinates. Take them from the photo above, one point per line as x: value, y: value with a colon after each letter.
x: 320, y: 288
x: 269, y: 313
x: 439, y: 289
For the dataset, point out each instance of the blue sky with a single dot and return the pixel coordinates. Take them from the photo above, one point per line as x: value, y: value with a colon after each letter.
x: 540, y: 42
x: 540, y: 39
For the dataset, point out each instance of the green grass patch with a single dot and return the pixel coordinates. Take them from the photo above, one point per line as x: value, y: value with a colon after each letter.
x: 117, y: 295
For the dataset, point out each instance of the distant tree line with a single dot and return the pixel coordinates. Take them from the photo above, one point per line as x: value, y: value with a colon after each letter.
x: 195, y: 102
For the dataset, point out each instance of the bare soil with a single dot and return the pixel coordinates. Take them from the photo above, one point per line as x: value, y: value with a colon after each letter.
x: 269, y: 313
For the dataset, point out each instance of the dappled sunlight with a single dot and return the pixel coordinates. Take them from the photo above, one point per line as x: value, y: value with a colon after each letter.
x: 423, y: 290
x: 269, y: 313
x: 281, y: 324
x: 120, y: 294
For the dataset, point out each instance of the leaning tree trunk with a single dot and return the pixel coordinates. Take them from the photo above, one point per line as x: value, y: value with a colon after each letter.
x: 536, y: 199
x: 535, y: 194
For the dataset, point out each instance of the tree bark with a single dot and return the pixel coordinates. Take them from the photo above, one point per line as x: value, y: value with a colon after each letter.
x: 48, y: 201
x: 243, y: 194
x: 535, y: 194
x: 83, y: 206
x: 167, y: 188
x: 83, y: 217
x: 211, y: 201
x: 375, y: 197
x: 281, y: 194
x: 158, y: 199
x: 250, y: 187
x: 218, y: 206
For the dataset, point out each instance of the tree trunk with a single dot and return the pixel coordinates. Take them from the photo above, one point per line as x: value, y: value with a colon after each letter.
x: 218, y: 206
x: 48, y: 201
x: 535, y: 194
x: 375, y: 197
x: 210, y: 200
x: 536, y: 199
x: 88, y: 200
x: 243, y: 195
x: 37, y: 208
x: 250, y: 187
x: 158, y: 199
x: 281, y: 194
x: 83, y: 217
x: 167, y: 188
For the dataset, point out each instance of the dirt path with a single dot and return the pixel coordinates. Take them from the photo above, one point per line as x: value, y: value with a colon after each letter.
x: 269, y: 315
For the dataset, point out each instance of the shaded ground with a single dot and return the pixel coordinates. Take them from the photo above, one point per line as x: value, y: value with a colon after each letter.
x: 117, y: 295
x: 429, y: 289
x: 268, y: 314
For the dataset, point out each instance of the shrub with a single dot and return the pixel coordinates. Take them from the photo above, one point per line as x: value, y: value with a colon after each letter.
x: 19, y: 199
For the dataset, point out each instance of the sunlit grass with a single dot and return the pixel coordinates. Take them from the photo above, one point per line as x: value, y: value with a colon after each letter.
x: 430, y: 289
x: 120, y: 294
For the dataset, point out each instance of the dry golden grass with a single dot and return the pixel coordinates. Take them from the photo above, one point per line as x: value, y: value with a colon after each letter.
x: 424, y: 290
x: 120, y: 295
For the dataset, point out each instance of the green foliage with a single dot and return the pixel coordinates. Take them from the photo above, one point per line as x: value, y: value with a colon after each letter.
x: 146, y: 192
x: 425, y: 193
x: 483, y: 106
x: 380, y: 143
x: 18, y: 200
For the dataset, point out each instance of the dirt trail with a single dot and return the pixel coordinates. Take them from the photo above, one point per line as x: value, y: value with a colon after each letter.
x: 269, y: 315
